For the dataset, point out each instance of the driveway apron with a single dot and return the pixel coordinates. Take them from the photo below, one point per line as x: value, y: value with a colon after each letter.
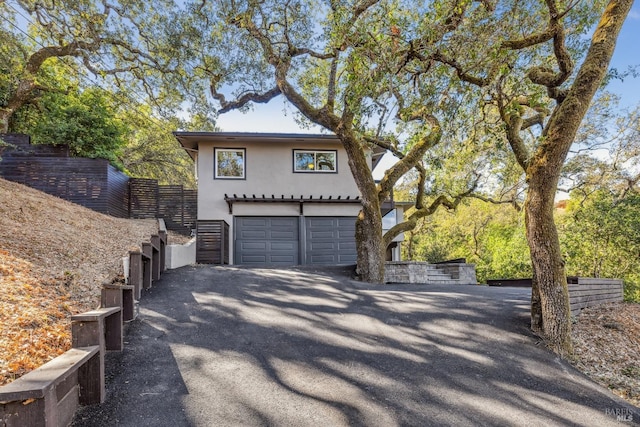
x: 229, y: 346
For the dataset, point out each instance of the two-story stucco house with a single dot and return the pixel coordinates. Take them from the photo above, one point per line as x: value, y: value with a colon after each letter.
x: 275, y: 199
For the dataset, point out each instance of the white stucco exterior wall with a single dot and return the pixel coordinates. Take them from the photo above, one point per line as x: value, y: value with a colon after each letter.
x: 269, y: 171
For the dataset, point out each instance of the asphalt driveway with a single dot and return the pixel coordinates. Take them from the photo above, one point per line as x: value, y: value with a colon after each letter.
x: 225, y: 346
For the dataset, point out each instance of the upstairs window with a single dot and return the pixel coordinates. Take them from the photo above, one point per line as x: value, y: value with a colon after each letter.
x: 314, y: 161
x: 229, y: 163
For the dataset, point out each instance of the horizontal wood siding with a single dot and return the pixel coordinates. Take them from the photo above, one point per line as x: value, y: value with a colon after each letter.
x: 118, y: 195
x: 92, y: 183
x: 212, y: 242
x: 588, y: 292
x: 78, y: 180
x: 24, y: 148
x: 143, y: 198
x: 178, y: 207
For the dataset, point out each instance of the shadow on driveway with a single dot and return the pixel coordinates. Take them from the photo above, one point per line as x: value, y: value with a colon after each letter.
x: 228, y: 346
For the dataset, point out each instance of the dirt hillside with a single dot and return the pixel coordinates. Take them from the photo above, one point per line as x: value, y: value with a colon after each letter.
x: 55, y: 256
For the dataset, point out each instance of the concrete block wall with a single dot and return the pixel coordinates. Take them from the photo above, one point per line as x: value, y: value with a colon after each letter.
x: 422, y: 272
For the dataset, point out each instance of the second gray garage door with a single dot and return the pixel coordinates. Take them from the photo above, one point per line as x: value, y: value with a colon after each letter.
x: 330, y: 240
x: 263, y: 240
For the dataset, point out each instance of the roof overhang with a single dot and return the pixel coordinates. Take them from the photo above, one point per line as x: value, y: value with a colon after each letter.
x: 190, y: 140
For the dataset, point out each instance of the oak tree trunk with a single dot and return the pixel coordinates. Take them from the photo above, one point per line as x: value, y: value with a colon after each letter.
x: 550, y: 311
x: 370, y: 250
x: 369, y: 242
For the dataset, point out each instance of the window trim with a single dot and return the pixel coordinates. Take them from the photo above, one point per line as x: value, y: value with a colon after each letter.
x: 315, y: 152
x: 215, y: 163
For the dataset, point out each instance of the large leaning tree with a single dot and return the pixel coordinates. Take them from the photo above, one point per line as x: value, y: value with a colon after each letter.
x: 541, y: 97
x: 347, y: 65
x: 341, y: 66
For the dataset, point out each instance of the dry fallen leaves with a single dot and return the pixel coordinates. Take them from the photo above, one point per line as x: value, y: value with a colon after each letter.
x: 607, y: 343
x: 54, y: 258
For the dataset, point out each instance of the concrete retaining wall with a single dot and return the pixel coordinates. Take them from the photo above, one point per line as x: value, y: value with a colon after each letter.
x: 422, y: 272
x: 181, y: 255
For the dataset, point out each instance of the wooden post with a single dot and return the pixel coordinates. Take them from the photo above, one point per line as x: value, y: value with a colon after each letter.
x: 155, y: 259
x: 119, y: 296
x: 163, y: 249
x: 136, y: 269
x: 101, y: 327
x: 147, y: 256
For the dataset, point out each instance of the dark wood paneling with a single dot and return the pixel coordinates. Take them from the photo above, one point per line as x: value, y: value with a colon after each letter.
x: 95, y: 184
x: 92, y: 183
x: 171, y: 206
x: 212, y: 242
x: 118, y: 194
x: 143, y: 198
x: 24, y: 148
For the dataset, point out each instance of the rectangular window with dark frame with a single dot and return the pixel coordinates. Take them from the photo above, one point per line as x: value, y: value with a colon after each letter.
x: 321, y: 161
x: 229, y: 163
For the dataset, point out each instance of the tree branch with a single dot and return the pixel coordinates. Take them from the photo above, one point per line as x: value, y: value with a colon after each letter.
x: 513, y: 202
x: 257, y: 98
x: 411, y: 221
x: 410, y: 159
x: 465, y: 75
x: 513, y: 124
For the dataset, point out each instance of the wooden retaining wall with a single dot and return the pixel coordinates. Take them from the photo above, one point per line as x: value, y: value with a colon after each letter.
x: 588, y: 292
x: 50, y: 395
x: 583, y: 291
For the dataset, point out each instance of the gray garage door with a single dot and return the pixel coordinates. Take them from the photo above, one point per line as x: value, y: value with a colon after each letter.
x: 266, y: 241
x: 330, y: 240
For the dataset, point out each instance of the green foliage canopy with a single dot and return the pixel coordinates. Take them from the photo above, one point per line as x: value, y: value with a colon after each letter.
x: 600, y: 237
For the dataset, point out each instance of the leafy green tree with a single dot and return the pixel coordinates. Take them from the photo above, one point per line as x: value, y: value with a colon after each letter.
x: 542, y: 98
x: 126, y: 45
x: 600, y: 237
x: 84, y: 119
x: 487, y: 235
x: 151, y: 150
x: 97, y: 76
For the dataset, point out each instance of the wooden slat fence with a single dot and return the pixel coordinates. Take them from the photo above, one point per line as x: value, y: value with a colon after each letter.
x: 173, y: 203
x: 177, y: 206
x: 212, y: 242
x: 92, y: 183
x: 95, y: 184
x: 143, y: 198
x: 583, y: 291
